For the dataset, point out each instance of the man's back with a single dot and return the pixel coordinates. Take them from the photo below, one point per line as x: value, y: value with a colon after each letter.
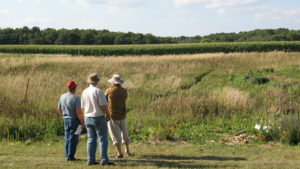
x: 116, y: 97
x: 69, y: 103
x: 92, y: 98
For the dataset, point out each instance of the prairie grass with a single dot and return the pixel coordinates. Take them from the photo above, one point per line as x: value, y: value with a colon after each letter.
x: 233, y: 98
x: 192, y: 90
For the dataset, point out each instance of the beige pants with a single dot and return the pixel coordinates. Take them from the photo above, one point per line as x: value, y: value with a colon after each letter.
x: 118, y: 131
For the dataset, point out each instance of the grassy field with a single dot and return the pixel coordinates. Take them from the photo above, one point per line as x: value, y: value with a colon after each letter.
x: 197, y: 101
x: 187, y: 97
x: 155, y: 155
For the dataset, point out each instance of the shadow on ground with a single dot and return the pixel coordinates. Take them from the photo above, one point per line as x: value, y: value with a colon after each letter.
x: 178, y: 161
x: 213, y: 158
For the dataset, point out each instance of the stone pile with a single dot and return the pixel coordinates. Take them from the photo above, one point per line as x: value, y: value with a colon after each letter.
x: 240, y: 138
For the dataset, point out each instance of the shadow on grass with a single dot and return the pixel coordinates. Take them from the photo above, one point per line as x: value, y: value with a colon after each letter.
x: 212, y: 158
x: 178, y: 161
x: 77, y: 160
x: 215, y: 158
x: 168, y: 164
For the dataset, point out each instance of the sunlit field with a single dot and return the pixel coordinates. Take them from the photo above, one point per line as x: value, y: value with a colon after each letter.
x: 182, y: 110
x: 188, y: 97
x: 157, y: 155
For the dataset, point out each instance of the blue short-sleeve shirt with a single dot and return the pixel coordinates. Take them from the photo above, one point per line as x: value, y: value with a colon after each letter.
x: 68, y: 104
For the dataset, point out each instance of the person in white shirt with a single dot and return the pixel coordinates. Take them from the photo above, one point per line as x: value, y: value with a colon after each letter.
x: 94, y: 104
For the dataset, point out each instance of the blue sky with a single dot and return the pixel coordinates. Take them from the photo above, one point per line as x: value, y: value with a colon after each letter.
x: 159, y: 17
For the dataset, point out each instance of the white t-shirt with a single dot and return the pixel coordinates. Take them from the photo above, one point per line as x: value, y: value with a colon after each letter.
x: 91, y: 100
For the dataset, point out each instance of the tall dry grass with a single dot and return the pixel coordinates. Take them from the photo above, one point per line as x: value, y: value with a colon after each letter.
x: 162, y: 89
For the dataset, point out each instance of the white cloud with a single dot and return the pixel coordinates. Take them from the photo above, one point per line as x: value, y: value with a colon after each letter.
x: 2, y: 23
x: 225, y: 6
x: 221, y: 6
x: 276, y: 14
x: 230, y: 3
x: 5, y: 11
x: 111, y: 6
x: 291, y: 12
x: 216, y: 3
x: 112, y: 9
x: 180, y: 12
x: 59, y: 23
x: 104, y: 2
x: 37, y: 1
x: 255, y: 8
x: 182, y: 3
x: 41, y: 22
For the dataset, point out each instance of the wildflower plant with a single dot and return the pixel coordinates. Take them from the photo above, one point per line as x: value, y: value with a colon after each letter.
x: 263, y: 132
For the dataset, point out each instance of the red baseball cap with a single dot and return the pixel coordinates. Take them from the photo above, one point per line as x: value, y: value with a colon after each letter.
x: 71, y: 85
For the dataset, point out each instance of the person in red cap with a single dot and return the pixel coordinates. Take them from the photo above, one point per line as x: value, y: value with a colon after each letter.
x: 69, y: 107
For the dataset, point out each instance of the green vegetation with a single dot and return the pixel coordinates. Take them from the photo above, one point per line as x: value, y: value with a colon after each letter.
x: 177, y: 49
x: 51, y: 36
x: 196, y: 98
x: 150, y: 156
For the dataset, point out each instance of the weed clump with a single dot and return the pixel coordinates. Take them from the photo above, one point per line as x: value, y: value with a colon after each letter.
x: 250, y: 76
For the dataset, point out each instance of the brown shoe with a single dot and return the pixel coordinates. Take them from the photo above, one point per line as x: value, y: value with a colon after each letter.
x: 128, y: 153
x: 117, y: 156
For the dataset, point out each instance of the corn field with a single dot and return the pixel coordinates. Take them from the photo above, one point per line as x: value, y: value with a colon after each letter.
x: 121, y: 50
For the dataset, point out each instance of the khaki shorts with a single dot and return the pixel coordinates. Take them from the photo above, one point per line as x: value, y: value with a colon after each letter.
x: 118, y: 131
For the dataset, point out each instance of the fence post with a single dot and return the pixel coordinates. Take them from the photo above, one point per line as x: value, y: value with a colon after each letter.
x: 25, y: 98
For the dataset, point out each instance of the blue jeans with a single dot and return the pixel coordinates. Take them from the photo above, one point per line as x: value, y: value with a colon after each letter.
x: 96, y: 127
x: 71, y: 140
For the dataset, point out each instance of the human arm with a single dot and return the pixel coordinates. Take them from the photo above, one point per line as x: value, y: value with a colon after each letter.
x: 105, y: 110
x: 59, y: 108
x: 59, y: 111
x: 80, y: 117
x: 79, y: 112
x: 103, y: 105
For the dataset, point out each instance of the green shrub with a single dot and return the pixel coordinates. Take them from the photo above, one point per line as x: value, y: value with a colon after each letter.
x: 30, y: 127
x: 286, y: 130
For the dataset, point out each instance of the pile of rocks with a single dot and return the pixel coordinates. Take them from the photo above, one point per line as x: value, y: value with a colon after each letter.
x: 240, y: 138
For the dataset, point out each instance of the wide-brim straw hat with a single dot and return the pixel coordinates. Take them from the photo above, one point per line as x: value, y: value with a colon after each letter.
x: 116, y: 79
x: 93, y: 78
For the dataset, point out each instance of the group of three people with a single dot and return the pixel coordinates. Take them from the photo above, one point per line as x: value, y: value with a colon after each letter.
x: 100, y: 110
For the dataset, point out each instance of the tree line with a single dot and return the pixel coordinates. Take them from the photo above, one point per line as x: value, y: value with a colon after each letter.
x: 49, y: 36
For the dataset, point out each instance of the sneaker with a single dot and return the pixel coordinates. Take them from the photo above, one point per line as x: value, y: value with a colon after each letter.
x: 109, y: 163
x: 92, y: 163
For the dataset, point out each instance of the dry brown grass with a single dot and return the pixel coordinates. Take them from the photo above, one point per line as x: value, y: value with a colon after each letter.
x: 232, y: 97
x: 155, y: 74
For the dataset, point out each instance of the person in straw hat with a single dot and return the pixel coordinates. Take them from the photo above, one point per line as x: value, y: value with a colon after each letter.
x: 117, y: 127
x: 94, y: 106
x: 70, y: 108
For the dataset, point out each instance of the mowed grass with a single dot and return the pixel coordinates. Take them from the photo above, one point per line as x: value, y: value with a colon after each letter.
x: 155, y: 155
